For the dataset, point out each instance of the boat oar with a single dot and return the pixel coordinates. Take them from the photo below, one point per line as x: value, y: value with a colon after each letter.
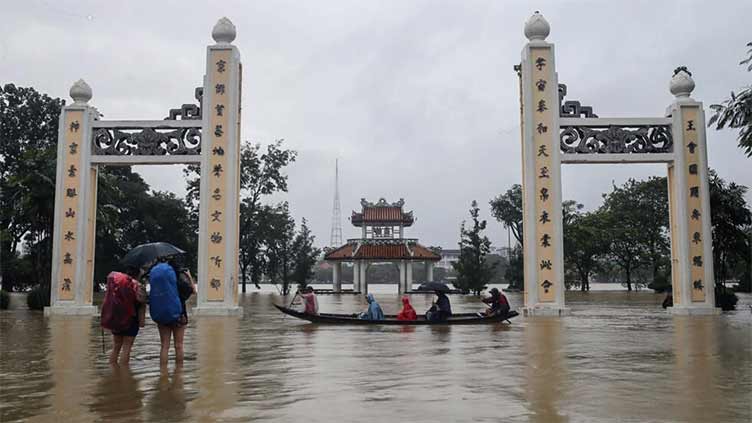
x: 292, y: 301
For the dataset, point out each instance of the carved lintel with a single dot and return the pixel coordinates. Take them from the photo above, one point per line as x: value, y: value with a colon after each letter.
x: 616, y: 139
x: 146, y: 141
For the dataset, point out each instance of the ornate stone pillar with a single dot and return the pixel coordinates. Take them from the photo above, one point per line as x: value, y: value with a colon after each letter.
x: 541, y: 183
x: 219, y: 208
x: 689, y: 204
x: 75, y: 193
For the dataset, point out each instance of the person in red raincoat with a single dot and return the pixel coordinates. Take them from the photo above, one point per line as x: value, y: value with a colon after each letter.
x: 130, y: 298
x: 407, y: 312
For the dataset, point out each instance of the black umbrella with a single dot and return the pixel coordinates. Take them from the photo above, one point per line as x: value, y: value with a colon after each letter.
x: 146, y: 253
x: 434, y: 286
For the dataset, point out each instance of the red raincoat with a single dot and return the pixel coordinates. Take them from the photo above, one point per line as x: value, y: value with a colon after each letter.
x: 407, y: 312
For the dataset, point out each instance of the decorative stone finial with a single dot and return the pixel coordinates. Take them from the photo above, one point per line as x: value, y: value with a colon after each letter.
x: 80, y: 92
x: 682, y: 84
x: 224, y: 31
x: 537, y: 28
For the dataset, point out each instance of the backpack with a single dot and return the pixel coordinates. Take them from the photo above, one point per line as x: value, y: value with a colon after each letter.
x: 164, y: 303
x: 119, y: 306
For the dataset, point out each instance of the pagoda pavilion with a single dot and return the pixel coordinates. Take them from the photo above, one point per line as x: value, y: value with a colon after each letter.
x: 383, y: 226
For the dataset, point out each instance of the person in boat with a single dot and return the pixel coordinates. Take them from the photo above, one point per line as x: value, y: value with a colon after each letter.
x: 497, y: 302
x: 407, y: 312
x: 309, y: 301
x: 441, y: 309
x: 374, y: 310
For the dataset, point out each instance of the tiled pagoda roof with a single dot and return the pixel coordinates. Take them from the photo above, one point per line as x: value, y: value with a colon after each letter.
x: 382, y: 213
x: 393, y: 249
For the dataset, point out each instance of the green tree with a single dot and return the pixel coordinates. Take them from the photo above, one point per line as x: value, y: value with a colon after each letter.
x: 262, y: 174
x: 279, y: 251
x: 730, y: 219
x: 585, y: 243
x: 28, y: 149
x: 474, y: 272
x: 636, y: 214
x: 507, y: 209
x: 736, y: 112
x: 306, y: 255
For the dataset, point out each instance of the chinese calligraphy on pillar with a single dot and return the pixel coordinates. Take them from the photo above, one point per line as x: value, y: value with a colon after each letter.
x: 697, y: 260
x: 218, y: 124
x: 544, y: 106
x: 67, y: 260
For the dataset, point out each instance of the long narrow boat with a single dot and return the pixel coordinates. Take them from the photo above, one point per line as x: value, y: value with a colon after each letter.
x: 352, y: 319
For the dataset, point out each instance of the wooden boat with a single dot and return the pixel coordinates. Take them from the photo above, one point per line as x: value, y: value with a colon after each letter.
x: 352, y: 319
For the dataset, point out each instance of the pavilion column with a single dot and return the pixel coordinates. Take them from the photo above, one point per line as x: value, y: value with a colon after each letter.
x: 336, y: 276
x: 541, y: 174
x: 402, y: 287
x: 408, y: 275
x: 429, y: 271
x: 75, y: 209
x: 689, y: 204
x: 356, y: 276
x: 363, y: 280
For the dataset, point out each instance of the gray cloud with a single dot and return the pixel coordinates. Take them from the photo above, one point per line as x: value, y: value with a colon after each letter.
x: 418, y: 99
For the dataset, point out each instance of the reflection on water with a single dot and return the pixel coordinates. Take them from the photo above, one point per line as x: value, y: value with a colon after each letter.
x: 544, y: 376
x: 619, y: 357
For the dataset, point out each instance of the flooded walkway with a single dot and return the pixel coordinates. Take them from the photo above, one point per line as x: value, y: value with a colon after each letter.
x: 618, y: 357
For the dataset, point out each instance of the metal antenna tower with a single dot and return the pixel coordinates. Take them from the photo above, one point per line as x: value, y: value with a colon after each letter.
x: 336, y: 236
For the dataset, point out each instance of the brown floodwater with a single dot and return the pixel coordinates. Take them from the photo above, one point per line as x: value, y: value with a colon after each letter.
x: 618, y: 357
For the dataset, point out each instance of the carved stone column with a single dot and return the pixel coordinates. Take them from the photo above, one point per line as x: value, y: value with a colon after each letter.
x: 73, y: 237
x: 219, y: 208
x: 544, y: 265
x: 689, y: 204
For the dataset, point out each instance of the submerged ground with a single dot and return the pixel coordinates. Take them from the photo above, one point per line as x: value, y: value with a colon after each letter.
x: 618, y: 357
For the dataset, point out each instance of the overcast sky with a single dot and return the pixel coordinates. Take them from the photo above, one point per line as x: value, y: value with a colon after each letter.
x: 417, y: 99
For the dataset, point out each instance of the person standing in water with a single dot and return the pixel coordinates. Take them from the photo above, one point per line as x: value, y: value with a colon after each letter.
x: 120, y: 308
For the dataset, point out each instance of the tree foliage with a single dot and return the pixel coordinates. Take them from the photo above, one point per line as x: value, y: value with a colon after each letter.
x: 507, y: 209
x: 28, y: 150
x: 731, y: 220
x: 636, y: 215
x: 585, y: 245
x: 306, y: 255
x: 736, y: 111
x: 474, y: 271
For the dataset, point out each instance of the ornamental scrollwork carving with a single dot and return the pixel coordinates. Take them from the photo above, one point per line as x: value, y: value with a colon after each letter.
x: 188, y: 111
x: 146, y: 141
x: 616, y: 139
x: 572, y: 108
x: 382, y: 203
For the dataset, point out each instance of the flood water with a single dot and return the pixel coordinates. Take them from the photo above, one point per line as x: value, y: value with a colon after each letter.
x: 618, y: 357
